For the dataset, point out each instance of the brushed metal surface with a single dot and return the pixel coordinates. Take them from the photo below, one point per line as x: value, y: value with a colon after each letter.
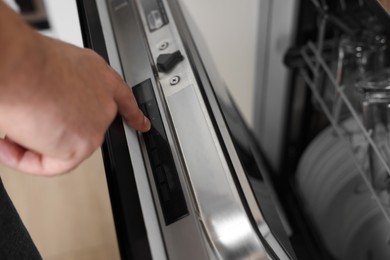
x: 221, y: 212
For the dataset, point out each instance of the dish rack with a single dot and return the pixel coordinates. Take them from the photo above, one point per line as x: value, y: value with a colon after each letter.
x: 314, y: 70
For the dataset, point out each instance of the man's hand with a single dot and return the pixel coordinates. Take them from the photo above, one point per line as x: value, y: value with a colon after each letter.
x: 56, y: 102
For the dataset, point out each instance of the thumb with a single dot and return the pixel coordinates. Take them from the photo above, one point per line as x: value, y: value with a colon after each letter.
x: 10, y: 152
x: 19, y: 158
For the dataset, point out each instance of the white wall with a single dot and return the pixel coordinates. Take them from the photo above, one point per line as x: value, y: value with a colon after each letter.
x: 229, y: 29
x: 64, y: 21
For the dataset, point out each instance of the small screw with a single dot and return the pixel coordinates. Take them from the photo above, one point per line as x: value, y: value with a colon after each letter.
x: 163, y: 46
x: 174, y: 80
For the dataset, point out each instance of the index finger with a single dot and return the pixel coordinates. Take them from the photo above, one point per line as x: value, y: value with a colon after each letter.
x: 128, y: 108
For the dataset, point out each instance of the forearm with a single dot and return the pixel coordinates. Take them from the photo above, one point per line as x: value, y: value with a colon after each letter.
x: 21, y: 54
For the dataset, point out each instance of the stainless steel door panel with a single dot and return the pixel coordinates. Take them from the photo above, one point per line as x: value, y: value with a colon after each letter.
x: 208, y: 174
x: 221, y: 213
x: 182, y: 239
x: 130, y: 42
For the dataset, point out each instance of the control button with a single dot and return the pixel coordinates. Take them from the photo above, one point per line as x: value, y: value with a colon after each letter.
x: 165, y: 193
x: 169, y: 177
x: 167, y: 61
x: 152, y: 111
x: 144, y: 109
x: 156, y: 157
x: 160, y: 174
x: 150, y: 139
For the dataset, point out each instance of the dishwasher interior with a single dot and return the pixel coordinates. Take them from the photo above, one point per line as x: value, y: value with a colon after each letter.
x: 336, y: 151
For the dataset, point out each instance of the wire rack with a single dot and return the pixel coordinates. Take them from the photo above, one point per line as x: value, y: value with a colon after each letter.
x: 315, y: 69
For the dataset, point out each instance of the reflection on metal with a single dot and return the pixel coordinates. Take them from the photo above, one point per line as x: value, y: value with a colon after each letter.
x: 118, y: 4
x: 220, y: 209
x: 233, y: 235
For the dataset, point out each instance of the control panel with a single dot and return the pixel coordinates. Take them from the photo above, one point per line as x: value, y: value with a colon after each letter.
x: 165, y: 174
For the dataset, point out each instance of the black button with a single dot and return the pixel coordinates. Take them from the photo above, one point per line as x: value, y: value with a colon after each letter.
x: 167, y: 61
x: 148, y: 105
x: 150, y: 140
x: 160, y: 174
x: 169, y: 177
x: 144, y: 109
x: 165, y: 193
x: 156, y: 157
x: 152, y: 111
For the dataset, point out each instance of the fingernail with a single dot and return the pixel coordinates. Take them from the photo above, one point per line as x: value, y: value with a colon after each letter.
x: 147, y: 123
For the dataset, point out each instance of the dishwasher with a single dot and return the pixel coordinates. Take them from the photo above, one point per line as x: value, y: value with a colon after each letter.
x: 202, y: 185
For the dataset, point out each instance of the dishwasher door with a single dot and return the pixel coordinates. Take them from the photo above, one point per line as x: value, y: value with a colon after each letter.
x: 196, y: 186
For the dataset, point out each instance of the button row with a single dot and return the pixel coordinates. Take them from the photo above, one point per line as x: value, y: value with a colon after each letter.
x: 164, y: 170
